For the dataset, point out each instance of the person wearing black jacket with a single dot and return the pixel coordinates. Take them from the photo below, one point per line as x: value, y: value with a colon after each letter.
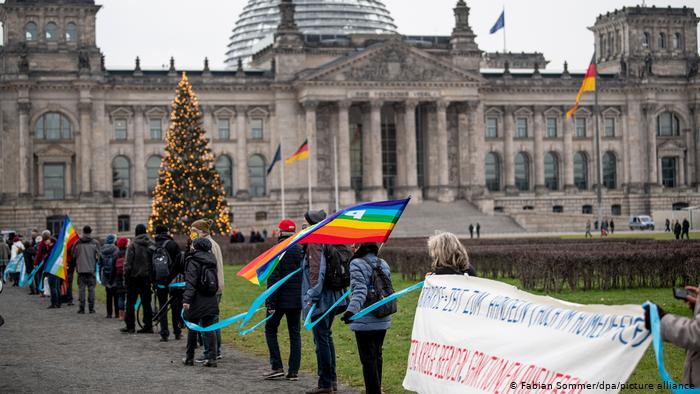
x: 137, y: 276
x: 199, y: 308
x: 286, y: 301
x: 165, y: 241
x: 448, y: 255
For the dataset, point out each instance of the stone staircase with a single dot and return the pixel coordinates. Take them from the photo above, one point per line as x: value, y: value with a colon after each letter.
x: 422, y: 219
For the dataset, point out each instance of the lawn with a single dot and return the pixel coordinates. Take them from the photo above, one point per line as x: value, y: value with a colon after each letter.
x: 240, y: 293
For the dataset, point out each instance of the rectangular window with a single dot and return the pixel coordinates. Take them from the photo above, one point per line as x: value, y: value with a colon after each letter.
x: 581, y: 127
x: 609, y: 127
x: 256, y: 129
x: 551, y: 127
x: 123, y: 223
x: 156, y: 127
x: 54, y: 181
x: 668, y: 171
x: 521, y: 128
x: 120, y: 130
x: 491, y: 127
x: 224, y: 128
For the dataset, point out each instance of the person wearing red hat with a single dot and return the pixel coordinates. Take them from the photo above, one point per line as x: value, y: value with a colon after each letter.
x: 286, y: 301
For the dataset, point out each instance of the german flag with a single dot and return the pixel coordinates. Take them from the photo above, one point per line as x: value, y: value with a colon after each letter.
x: 588, y: 85
x: 301, y: 153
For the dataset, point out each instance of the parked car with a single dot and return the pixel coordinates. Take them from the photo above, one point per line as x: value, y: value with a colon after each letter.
x: 641, y: 222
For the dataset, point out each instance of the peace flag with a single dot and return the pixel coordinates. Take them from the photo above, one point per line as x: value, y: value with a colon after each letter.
x: 57, y: 263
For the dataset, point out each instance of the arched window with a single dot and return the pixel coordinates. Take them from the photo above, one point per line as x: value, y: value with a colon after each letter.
x: 610, y: 170
x: 646, y: 40
x: 662, y: 40
x: 71, y: 32
x: 492, y: 169
x: 677, y: 41
x: 51, y: 31
x: 224, y: 165
x: 152, y: 172
x: 551, y: 171
x: 30, y: 31
x: 121, y: 177
x: 522, y: 172
x: 53, y: 126
x: 256, y: 176
x: 667, y: 125
x: 581, y: 171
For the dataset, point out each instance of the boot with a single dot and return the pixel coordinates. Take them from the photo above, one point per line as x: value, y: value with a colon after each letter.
x: 121, y: 315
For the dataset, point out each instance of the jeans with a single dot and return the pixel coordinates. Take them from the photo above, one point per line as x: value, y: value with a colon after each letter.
x: 208, y: 338
x: 369, y: 347
x: 293, y: 326
x: 112, y: 301
x: 175, y: 309
x: 138, y: 287
x: 55, y: 287
x: 69, y: 291
x: 121, y: 301
x: 325, y: 351
x: 86, y: 281
x: 217, y: 334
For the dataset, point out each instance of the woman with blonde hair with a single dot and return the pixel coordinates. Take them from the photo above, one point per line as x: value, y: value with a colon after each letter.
x: 448, y: 255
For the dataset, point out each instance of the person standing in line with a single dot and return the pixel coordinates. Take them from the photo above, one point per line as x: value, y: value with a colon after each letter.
x: 86, y: 252
x: 286, y: 301
x: 202, y: 229
x: 122, y: 244
x: 43, y: 252
x: 588, y: 229
x: 612, y: 227
x: 165, y: 241
x: 137, y: 275
x: 685, y: 229
x: 17, y: 250
x: 471, y: 231
x: 29, y: 256
x: 4, y: 257
x: 108, y: 259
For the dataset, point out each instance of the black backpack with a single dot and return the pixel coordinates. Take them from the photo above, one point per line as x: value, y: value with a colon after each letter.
x: 380, y: 288
x: 208, y: 281
x: 160, y: 265
x: 108, y: 260
x: 337, y: 266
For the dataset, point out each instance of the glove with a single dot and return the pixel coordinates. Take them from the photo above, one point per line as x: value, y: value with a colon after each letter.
x: 647, y: 315
x: 346, y: 317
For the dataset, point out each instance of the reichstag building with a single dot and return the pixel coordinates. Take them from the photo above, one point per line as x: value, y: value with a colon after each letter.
x: 434, y: 117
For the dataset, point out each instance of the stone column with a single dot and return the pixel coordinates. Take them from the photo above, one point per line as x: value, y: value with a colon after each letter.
x: 374, y: 190
x: 69, y: 179
x: 243, y: 192
x: 464, y: 150
x: 347, y: 195
x: 653, y: 181
x: 410, y: 152
x: 445, y: 192
x: 87, y: 149
x: 508, y: 154
x: 695, y: 124
x: 310, y: 126
x: 625, y: 148
x: 689, y: 166
x: 567, y: 130
x: 636, y: 140
x: 539, y: 150
x: 477, y: 142
x: 139, y: 166
x: 24, y: 108
x: 101, y: 154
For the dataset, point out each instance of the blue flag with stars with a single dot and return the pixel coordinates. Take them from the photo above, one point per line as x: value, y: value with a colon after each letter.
x: 500, y: 23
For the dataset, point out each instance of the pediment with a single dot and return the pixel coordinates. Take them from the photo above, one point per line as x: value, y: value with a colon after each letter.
x: 54, y: 151
x: 391, y: 61
x: 670, y: 146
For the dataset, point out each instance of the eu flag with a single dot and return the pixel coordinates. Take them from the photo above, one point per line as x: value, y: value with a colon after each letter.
x: 278, y: 157
x: 500, y: 23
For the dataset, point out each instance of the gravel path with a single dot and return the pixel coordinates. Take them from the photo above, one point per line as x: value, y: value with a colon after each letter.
x: 58, y: 350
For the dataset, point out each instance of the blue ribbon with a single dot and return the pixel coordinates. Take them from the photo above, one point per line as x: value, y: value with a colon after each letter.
x: 657, y: 342
x: 172, y: 285
x: 390, y: 298
x: 256, y: 326
x: 216, y: 326
x: 34, y: 271
x: 307, y: 322
x: 11, y: 267
x: 137, y: 304
x: 260, y: 300
x: 97, y: 272
x: 23, y: 271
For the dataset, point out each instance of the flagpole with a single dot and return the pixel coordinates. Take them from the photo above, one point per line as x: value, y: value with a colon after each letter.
x: 308, y: 171
x: 335, y: 172
x: 504, y: 29
x: 599, y: 174
x: 284, y: 211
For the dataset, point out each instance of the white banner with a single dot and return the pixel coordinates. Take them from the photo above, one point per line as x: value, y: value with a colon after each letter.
x: 473, y: 335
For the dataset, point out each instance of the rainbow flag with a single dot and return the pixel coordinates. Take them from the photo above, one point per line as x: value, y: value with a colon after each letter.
x: 368, y: 222
x: 57, y: 263
x: 301, y: 153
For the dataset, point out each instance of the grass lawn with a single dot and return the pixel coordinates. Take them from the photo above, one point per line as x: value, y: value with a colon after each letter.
x: 240, y: 293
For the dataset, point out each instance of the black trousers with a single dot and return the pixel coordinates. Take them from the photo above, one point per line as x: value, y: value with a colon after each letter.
x: 175, y: 310
x: 293, y: 326
x: 138, y: 287
x: 208, y: 336
x: 369, y: 347
x: 112, y: 301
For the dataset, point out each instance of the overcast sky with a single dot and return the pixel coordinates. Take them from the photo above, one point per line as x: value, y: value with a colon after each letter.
x: 191, y: 30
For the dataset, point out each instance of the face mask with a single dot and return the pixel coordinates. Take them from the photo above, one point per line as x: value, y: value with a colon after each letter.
x: 193, y: 235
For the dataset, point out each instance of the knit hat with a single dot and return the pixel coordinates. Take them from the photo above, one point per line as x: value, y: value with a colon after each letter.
x: 110, y: 239
x: 287, y: 226
x: 313, y: 217
x: 140, y: 229
x: 203, y: 225
x: 122, y: 242
x: 161, y: 229
x: 202, y: 244
x: 87, y: 230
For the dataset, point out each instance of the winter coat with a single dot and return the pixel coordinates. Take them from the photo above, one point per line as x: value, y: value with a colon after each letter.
x: 105, y: 251
x: 288, y: 296
x: 120, y: 284
x: 216, y: 251
x: 361, y: 269
x: 85, y: 252
x: 312, y: 290
x: 43, y: 251
x: 4, y: 253
x: 200, y: 305
x: 29, y: 255
x: 138, y: 258
x: 685, y: 333
x: 451, y: 271
x: 174, y: 253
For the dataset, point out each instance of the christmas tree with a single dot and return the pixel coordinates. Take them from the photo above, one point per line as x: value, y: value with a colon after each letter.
x: 189, y: 188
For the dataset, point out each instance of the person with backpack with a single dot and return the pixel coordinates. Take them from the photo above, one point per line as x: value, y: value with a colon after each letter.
x: 324, y: 278
x: 137, y: 276
x: 166, y: 254
x: 370, y: 281
x: 200, y: 298
x: 85, y: 252
x: 286, y: 301
x: 108, y: 274
x: 120, y: 286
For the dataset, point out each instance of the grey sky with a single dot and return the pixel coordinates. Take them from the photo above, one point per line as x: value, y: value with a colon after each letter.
x: 191, y: 30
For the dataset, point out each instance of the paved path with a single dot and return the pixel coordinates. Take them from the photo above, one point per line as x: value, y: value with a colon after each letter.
x: 58, y: 350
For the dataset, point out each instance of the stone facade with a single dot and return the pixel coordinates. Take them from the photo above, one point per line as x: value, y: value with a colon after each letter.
x: 395, y: 115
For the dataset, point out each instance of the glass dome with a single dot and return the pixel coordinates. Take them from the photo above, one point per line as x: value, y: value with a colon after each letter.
x: 257, y: 23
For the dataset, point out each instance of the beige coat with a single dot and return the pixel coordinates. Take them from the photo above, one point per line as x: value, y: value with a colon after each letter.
x: 216, y: 251
x: 685, y: 332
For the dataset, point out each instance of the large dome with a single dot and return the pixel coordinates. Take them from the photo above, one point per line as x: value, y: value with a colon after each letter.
x: 258, y: 21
